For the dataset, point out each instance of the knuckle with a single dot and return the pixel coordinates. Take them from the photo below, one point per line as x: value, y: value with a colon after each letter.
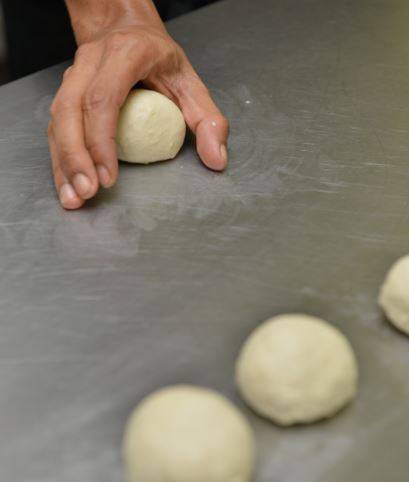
x: 100, y: 150
x: 69, y: 158
x: 171, y: 55
x: 222, y: 121
x: 117, y: 40
x: 94, y: 98
x: 192, y: 80
x: 184, y: 61
x: 67, y: 72
x: 93, y: 147
x: 54, y: 108
x: 60, y: 104
x: 82, y: 53
x: 201, y: 87
x: 177, y: 52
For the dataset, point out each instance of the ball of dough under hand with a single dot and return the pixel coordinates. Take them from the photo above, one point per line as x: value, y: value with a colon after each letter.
x: 150, y: 128
x: 394, y: 295
x: 296, y: 369
x: 188, y: 434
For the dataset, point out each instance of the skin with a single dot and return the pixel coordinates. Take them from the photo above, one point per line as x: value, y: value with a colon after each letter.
x: 121, y: 42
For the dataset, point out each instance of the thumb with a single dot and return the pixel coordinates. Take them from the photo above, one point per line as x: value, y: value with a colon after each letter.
x: 205, y: 120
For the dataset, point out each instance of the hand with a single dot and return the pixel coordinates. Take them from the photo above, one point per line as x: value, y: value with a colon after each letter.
x: 85, y: 110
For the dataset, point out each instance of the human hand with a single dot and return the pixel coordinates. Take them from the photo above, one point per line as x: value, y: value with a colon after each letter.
x: 85, y: 110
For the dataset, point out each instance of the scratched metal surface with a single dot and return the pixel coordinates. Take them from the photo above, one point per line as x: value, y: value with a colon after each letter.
x: 160, y: 280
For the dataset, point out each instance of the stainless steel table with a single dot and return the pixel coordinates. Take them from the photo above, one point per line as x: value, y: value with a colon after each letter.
x: 159, y: 280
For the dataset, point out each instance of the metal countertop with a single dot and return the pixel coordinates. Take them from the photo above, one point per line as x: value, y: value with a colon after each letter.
x: 159, y: 280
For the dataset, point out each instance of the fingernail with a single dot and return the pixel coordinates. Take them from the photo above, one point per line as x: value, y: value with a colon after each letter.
x: 223, y: 153
x: 103, y: 176
x: 67, y: 194
x: 82, y: 185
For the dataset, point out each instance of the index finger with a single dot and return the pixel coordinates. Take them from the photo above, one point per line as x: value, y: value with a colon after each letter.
x: 101, y: 106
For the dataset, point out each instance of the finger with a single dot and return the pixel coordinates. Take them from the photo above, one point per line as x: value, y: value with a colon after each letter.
x: 205, y: 120
x: 103, y: 101
x: 68, y: 129
x: 66, y: 193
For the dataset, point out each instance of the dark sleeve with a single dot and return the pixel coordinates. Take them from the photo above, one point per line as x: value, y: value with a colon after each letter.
x: 38, y: 34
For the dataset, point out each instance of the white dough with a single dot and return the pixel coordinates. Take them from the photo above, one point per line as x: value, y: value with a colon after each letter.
x: 150, y: 128
x: 394, y: 295
x: 296, y: 369
x: 188, y: 434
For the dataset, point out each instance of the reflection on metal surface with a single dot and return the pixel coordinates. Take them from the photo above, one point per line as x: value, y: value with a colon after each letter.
x: 160, y: 279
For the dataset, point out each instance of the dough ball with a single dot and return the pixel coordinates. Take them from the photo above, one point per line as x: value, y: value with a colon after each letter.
x: 188, y: 434
x: 394, y: 295
x: 150, y: 128
x: 296, y: 369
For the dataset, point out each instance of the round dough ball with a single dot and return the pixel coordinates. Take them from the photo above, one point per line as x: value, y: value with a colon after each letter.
x: 394, y: 295
x: 188, y: 434
x: 296, y: 369
x: 150, y: 128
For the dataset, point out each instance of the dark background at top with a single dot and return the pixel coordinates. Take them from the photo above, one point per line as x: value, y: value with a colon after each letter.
x: 39, y: 34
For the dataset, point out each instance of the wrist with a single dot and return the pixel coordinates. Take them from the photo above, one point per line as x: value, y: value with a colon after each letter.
x: 91, y: 18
